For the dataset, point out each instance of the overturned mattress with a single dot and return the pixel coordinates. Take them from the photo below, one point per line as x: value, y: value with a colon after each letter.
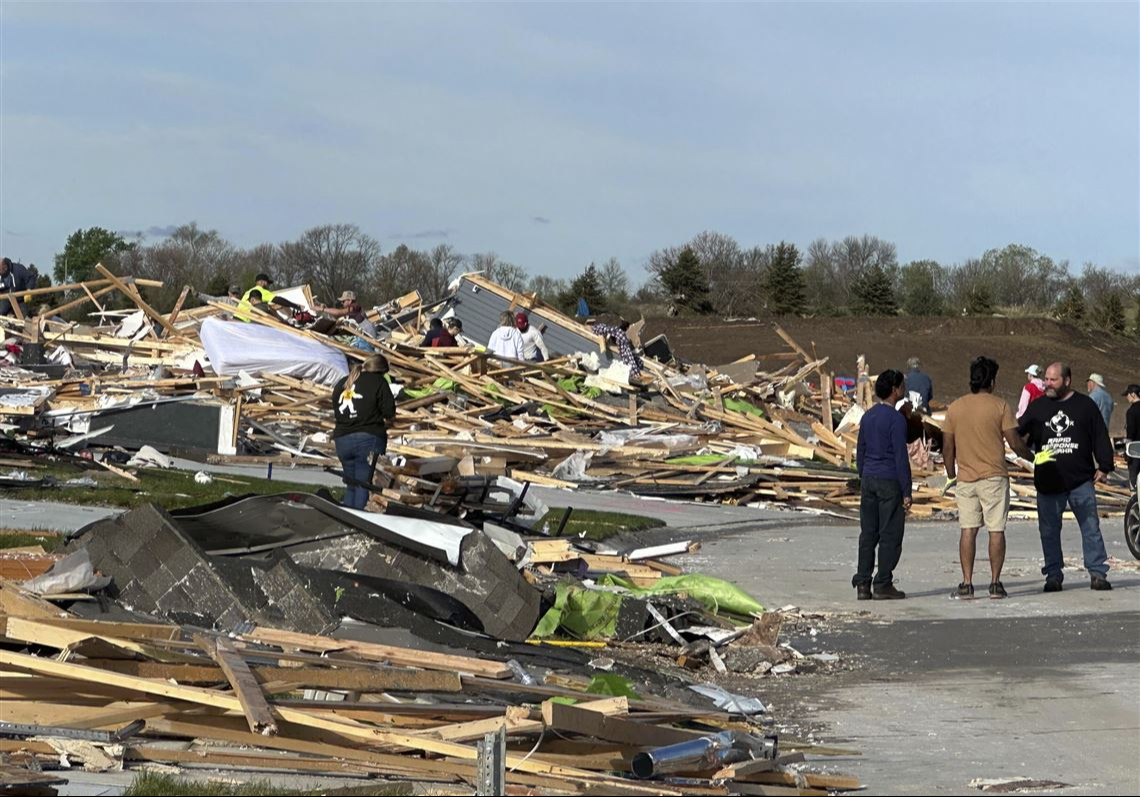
x: 234, y: 346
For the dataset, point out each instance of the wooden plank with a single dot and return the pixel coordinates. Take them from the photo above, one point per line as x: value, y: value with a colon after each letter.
x: 177, y: 308
x: 208, y: 697
x: 387, y: 679
x: 245, y: 686
x: 574, y: 719
x: 828, y: 782
x: 134, y: 297
x: 369, y: 650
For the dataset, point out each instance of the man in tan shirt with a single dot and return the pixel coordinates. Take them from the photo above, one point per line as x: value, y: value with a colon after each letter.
x: 977, y: 427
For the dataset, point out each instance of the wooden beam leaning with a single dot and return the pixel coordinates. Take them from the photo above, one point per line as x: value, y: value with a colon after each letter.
x: 138, y: 300
x: 253, y: 704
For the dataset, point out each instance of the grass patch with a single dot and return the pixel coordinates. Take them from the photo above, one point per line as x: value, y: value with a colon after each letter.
x: 150, y: 784
x: 147, y: 784
x: 10, y: 538
x: 593, y: 525
x: 170, y: 488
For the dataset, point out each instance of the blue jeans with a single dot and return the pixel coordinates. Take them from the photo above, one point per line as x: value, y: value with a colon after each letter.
x: 357, y: 453
x: 1082, y: 501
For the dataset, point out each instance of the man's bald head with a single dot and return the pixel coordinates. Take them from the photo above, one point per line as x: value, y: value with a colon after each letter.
x: 1058, y: 380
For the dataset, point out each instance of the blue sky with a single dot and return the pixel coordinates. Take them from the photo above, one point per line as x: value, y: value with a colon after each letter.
x: 559, y: 134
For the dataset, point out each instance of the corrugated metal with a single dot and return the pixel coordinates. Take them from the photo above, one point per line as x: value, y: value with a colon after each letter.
x: 479, y: 310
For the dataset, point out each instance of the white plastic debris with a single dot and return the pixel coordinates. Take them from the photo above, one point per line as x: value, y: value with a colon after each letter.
x: 730, y: 701
x: 150, y: 457
x: 201, y: 477
x: 573, y: 468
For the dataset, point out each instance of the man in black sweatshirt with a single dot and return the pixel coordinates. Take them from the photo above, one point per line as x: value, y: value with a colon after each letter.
x: 1074, y: 452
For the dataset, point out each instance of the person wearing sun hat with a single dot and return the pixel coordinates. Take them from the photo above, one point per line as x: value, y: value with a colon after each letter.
x: 1102, y: 397
x: 1033, y: 390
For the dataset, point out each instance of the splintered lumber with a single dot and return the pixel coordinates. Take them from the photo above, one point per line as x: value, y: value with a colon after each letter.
x: 376, y: 652
x: 245, y: 686
x: 576, y: 719
x: 134, y: 297
x: 352, y: 679
x: 215, y: 699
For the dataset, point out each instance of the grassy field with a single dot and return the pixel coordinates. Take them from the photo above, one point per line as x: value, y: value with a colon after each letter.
x: 19, y: 538
x: 592, y: 525
x: 173, y: 489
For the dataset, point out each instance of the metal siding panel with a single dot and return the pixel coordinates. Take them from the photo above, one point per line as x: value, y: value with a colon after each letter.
x: 479, y: 311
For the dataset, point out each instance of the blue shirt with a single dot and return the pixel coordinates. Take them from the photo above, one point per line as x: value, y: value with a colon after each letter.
x: 1104, y: 403
x: 923, y: 385
x: 882, y: 448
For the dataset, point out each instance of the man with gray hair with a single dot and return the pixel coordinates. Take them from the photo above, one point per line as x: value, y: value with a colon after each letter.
x: 920, y: 387
x: 1102, y: 397
x: 1074, y: 453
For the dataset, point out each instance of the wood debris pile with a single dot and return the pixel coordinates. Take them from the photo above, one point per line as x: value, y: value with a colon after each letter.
x: 761, y: 431
x: 111, y: 695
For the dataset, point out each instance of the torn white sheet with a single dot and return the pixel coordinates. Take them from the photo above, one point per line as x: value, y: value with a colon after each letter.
x: 642, y: 437
x: 573, y: 468
x: 72, y: 573
x: 234, y: 346
x: 442, y: 536
x: 134, y: 326
x: 150, y: 457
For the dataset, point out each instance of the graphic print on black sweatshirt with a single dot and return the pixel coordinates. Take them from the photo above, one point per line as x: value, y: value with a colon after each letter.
x: 1058, y: 425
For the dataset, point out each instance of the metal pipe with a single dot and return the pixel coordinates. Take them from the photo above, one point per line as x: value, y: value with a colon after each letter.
x: 706, y: 752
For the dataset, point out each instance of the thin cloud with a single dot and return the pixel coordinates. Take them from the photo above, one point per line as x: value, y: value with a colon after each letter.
x: 421, y: 234
x: 540, y: 219
x: 150, y: 232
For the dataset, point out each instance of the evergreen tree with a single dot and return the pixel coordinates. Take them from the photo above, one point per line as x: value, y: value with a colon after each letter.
x: 784, y: 282
x: 980, y: 300
x: 874, y: 293
x: 684, y: 280
x: 588, y: 286
x: 1072, y: 305
x: 1110, y: 314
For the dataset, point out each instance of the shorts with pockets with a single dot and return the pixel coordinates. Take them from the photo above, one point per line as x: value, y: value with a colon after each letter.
x: 984, y: 503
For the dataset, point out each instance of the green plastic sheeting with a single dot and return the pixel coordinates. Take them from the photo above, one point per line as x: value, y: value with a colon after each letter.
x: 715, y: 594
x: 592, y: 614
x: 583, y: 613
x: 608, y: 683
x: 696, y: 459
x: 439, y: 385
x: 573, y: 384
x: 739, y: 405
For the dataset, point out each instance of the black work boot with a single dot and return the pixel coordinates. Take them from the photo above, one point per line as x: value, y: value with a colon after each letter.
x: 887, y: 592
x: 863, y: 592
x: 1052, y: 585
x: 1100, y: 583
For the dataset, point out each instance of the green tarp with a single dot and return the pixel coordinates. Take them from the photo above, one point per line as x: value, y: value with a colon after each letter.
x: 592, y: 614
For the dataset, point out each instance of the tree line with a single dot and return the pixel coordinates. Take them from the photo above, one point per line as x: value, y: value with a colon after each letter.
x: 711, y: 274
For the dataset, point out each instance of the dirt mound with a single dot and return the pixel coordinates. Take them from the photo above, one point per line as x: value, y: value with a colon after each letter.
x: 945, y: 346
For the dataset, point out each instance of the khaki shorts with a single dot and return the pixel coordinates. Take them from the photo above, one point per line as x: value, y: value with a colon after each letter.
x: 984, y: 503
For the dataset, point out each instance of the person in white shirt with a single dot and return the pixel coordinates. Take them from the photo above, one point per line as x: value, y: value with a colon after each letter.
x: 506, y: 341
x: 534, y: 347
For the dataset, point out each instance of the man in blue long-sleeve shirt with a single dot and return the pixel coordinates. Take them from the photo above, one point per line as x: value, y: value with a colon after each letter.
x: 884, y: 471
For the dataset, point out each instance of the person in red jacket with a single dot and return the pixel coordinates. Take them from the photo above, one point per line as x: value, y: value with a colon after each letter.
x: 1033, y: 390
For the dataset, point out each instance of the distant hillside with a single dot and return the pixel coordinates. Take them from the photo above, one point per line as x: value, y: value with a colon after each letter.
x: 945, y: 346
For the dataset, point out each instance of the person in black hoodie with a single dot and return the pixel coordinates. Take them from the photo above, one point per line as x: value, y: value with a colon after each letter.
x: 362, y: 404
x: 1074, y: 453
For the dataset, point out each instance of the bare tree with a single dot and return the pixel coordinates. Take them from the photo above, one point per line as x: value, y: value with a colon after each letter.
x: 509, y: 275
x: 549, y: 289
x: 335, y: 258
x: 614, y: 282
x: 443, y: 264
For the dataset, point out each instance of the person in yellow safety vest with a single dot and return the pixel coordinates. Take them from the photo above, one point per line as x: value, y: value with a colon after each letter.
x: 260, y: 294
